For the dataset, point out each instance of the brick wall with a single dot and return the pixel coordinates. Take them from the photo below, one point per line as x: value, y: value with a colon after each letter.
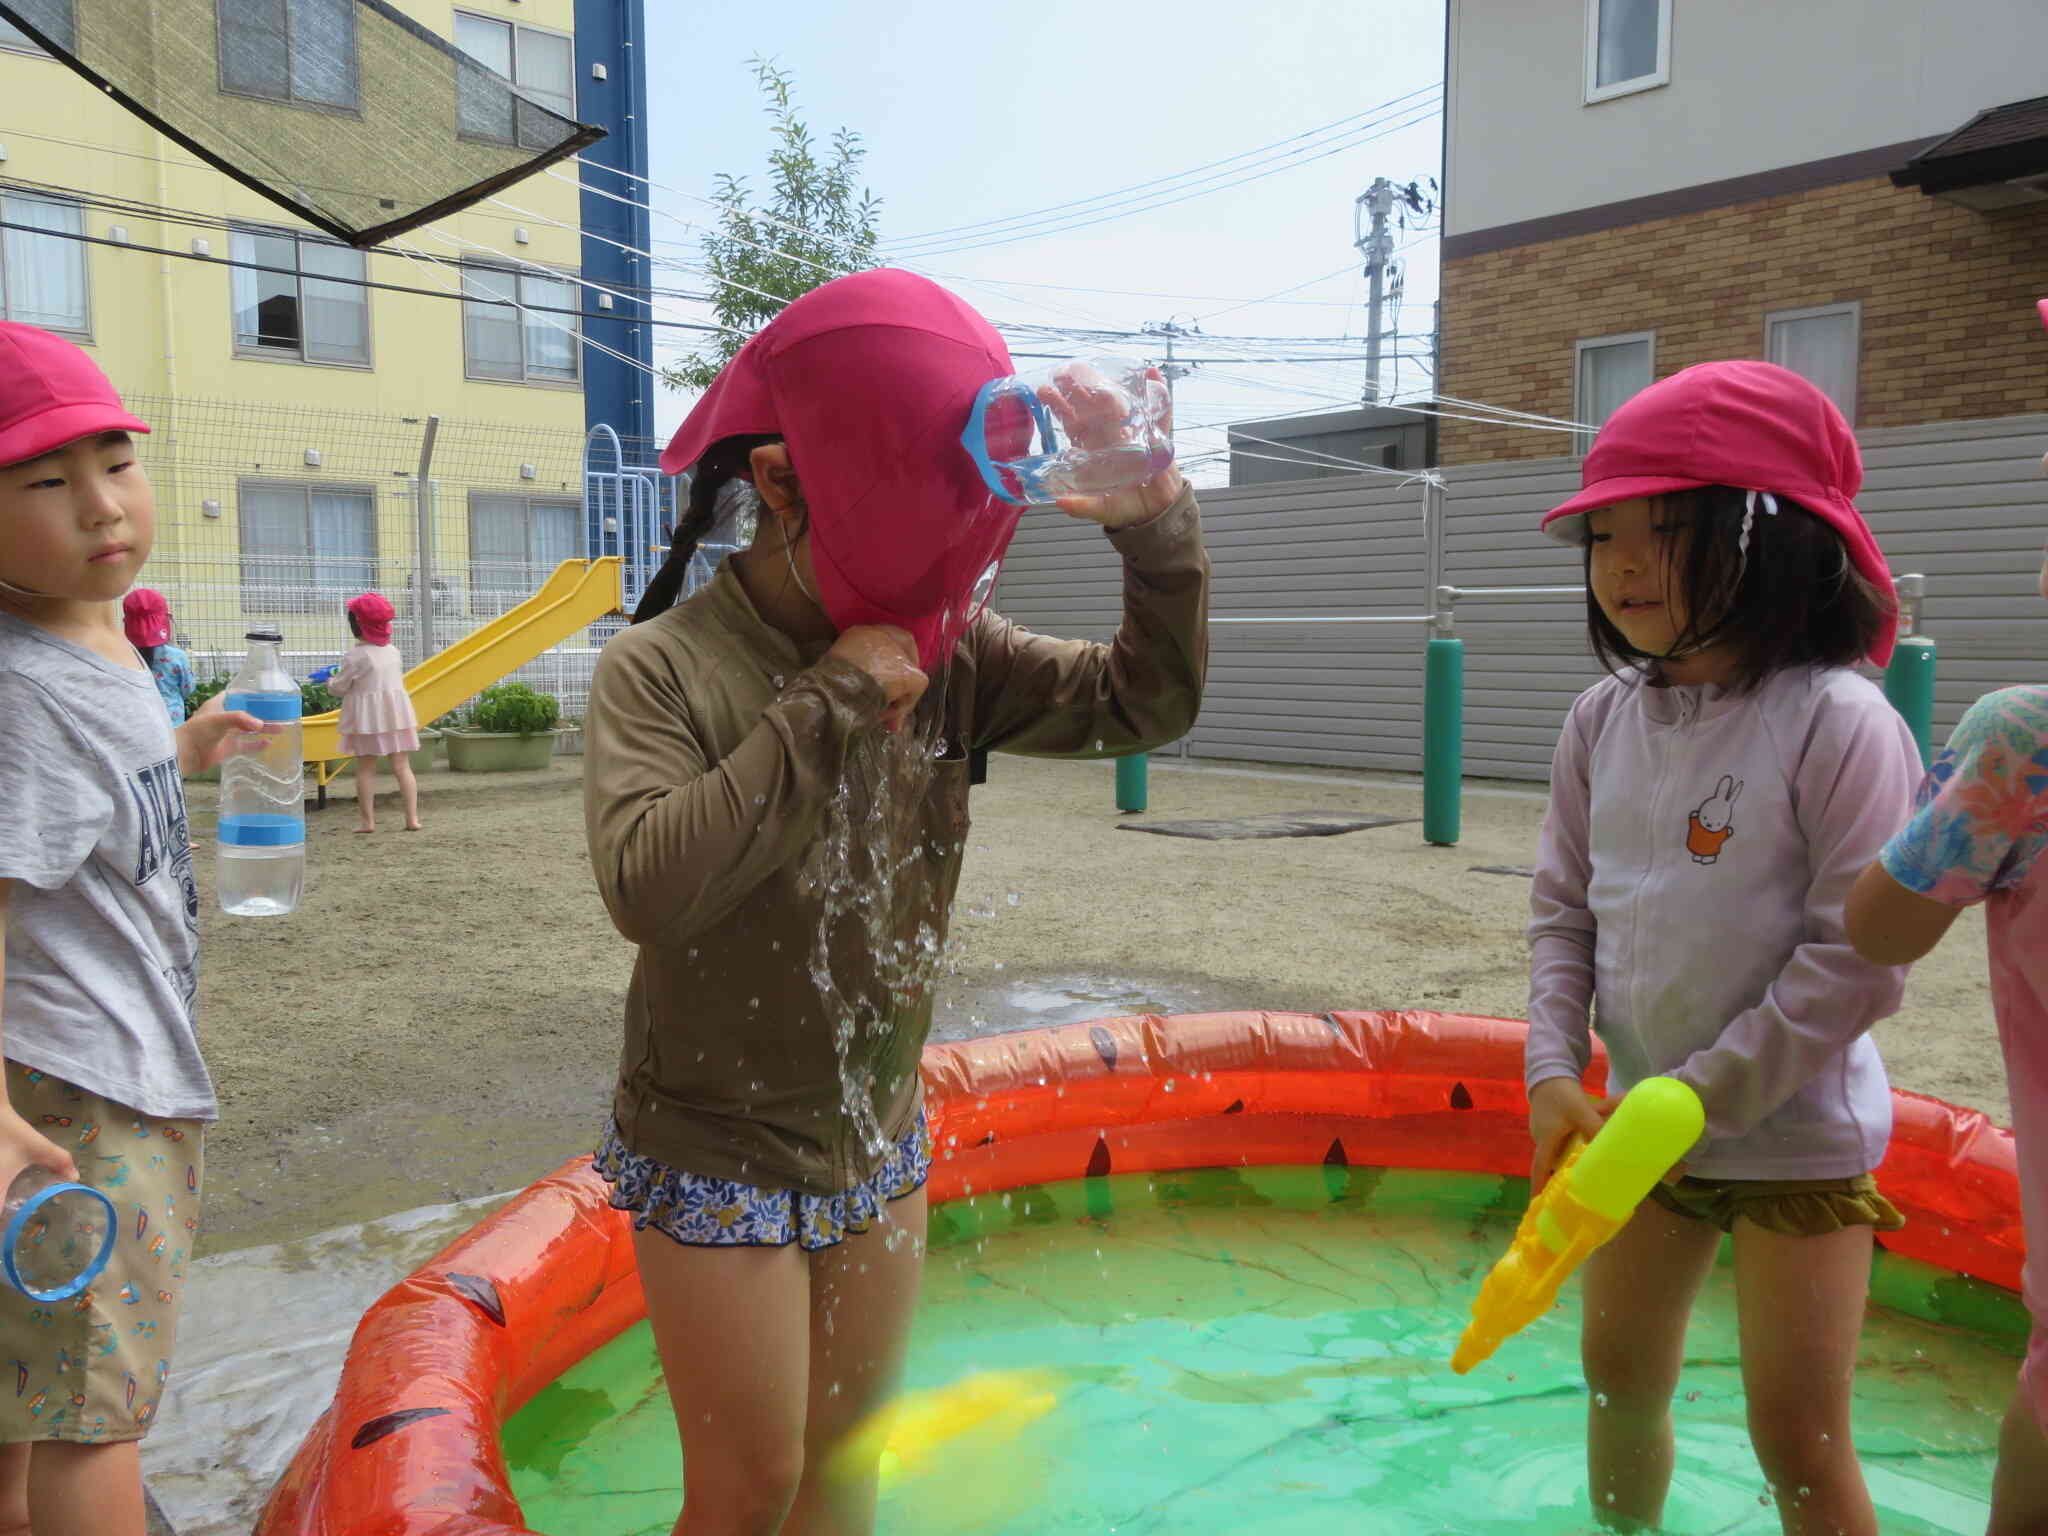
x: 1948, y: 326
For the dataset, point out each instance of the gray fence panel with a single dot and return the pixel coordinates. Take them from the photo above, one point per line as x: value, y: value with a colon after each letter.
x: 1962, y: 502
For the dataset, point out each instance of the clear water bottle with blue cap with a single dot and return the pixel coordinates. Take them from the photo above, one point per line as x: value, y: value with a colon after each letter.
x: 262, y: 837
x: 1078, y: 428
x: 55, y: 1235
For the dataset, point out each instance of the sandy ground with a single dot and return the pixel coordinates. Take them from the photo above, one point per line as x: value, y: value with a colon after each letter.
x: 440, y: 1019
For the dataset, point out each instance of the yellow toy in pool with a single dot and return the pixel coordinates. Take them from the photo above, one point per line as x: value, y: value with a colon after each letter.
x: 980, y: 1412
x: 1593, y: 1193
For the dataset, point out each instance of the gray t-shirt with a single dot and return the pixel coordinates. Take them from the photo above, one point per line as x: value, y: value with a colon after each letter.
x: 103, y: 926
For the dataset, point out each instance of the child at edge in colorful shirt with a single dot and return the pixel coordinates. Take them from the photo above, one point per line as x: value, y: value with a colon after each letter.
x: 1711, y: 802
x: 1978, y: 836
x: 100, y: 958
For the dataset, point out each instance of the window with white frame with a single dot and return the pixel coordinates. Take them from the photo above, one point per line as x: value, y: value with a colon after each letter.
x: 541, y: 66
x: 53, y: 18
x: 519, y: 327
x: 1628, y: 47
x: 515, y: 543
x: 293, y: 307
x: 306, y: 548
x: 300, y: 52
x: 42, y: 268
x: 1820, y: 344
x: 1608, y: 371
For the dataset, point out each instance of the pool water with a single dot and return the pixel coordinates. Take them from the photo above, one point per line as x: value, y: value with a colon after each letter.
x: 1267, y: 1348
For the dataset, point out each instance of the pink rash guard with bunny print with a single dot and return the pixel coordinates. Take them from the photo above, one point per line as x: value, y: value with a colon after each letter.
x: 1695, y: 859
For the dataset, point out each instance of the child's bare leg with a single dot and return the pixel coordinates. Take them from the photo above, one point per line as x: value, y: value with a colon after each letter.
x: 1801, y: 1305
x: 863, y: 1293
x: 408, y: 789
x: 86, y: 1490
x: 366, y: 794
x: 14, y: 1489
x: 1639, y: 1292
x: 2019, y: 1489
x: 730, y: 1325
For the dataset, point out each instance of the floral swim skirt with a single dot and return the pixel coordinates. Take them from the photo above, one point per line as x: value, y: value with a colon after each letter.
x: 701, y: 1212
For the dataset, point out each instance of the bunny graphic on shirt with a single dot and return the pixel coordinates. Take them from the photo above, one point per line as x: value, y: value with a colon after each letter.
x: 1713, y: 823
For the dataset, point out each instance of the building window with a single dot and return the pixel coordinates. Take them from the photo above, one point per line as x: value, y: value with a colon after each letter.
x: 52, y: 18
x: 42, y: 276
x: 531, y: 338
x: 306, y: 548
x: 289, y: 311
x: 515, y: 543
x: 1628, y: 47
x: 1821, y: 345
x: 1610, y: 369
x: 540, y: 65
x: 298, y: 51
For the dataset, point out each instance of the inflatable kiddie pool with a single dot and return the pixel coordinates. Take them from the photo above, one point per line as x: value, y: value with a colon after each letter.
x: 1246, y: 1244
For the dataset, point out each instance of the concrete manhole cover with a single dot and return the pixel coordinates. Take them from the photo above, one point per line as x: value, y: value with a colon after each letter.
x: 1273, y: 824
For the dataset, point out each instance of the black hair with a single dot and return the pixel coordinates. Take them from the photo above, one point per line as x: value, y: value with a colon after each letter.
x: 724, y: 460
x: 354, y: 627
x: 148, y: 654
x: 1797, y: 600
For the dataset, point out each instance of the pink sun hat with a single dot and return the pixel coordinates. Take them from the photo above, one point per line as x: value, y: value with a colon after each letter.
x: 373, y: 615
x: 146, y: 617
x: 1751, y: 425
x: 869, y: 379
x: 52, y: 393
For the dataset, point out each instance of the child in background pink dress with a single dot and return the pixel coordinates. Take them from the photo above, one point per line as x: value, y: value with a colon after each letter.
x: 377, y: 718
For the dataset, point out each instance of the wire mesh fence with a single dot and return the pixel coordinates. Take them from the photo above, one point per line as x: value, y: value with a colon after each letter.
x: 273, y: 515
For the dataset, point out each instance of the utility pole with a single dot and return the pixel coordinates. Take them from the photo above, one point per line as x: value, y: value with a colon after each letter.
x: 1170, y: 369
x: 1378, y: 249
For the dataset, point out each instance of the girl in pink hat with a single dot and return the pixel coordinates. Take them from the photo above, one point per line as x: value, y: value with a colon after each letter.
x: 1711, y: 803
x: 146, y: 619
x: 377, y: 717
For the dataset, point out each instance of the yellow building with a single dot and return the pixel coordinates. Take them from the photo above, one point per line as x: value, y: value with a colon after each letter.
x: 291, y: 403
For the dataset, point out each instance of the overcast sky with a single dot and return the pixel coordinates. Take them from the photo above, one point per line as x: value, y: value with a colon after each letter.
x: 974, y: 114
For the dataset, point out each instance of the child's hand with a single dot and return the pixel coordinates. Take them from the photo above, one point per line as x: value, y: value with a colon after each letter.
x: 1559, y: 1109
x: 216, y: 733
x: 889, y: 656
x: 22, y: 1145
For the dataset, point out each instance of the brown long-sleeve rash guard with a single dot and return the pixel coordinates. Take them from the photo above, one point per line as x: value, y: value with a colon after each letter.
x: 715, y: 745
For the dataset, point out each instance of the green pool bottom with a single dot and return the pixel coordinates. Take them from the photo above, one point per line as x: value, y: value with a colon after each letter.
x: 1267, y: 1348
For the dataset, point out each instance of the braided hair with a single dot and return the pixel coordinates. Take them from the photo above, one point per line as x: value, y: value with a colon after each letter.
x: 724, y: 460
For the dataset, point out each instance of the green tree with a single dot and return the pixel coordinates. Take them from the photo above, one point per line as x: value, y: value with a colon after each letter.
x: 812, y: 227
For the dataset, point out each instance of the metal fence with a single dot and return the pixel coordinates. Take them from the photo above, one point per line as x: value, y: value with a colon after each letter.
x: 275, y: 515
x: 1290, y: 682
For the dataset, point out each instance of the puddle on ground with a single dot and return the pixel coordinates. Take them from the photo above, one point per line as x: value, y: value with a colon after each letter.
x: 1040, y: 1002
x: 260, y: 1344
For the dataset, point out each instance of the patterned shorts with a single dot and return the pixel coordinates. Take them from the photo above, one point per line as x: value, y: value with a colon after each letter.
x: 1791, y: 1207
x: 92, y: 1368
x: 701, y: 1212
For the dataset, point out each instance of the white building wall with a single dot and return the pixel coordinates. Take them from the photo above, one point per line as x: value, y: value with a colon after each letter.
x: 1755, y: 85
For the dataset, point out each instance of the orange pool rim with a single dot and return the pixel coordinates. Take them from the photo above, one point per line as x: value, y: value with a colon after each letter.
x: 411, y: 1444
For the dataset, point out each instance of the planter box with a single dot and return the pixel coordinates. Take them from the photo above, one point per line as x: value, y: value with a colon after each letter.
x: 423, y: 758
x: 498, y: 751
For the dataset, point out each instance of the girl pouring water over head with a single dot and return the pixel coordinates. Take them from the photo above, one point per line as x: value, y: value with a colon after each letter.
x: 776, y: 797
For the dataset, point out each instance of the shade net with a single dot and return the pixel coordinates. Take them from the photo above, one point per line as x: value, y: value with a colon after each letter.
x: 346, y: 112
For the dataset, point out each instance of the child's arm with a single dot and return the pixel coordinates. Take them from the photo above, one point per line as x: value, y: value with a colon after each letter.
x: 1981, y: 821
x: 1038, y: 695
x: 676, y: 839
x: 1561, y: 930
x: 347, y: 674
x: 20, y: 1143
x: 1851, y: 788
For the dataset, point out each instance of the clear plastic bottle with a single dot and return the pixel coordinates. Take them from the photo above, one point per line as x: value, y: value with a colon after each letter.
x: 55, y: 1236
x: 262, y: 838
x: 1077, y: 428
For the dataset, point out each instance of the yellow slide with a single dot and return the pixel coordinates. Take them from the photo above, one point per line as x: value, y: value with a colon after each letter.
x: 578, y: 594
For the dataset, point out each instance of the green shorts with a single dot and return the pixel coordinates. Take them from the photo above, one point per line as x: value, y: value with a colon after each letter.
x: 1794, y: 1207
x: 92, y: 1369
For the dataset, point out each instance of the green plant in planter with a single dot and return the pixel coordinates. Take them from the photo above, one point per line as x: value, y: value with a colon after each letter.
x: 516, y: 710
x: 317, y: 699
x: 201, y: 692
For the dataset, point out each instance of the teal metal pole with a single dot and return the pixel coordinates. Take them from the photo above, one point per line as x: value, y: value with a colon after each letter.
x: 1130, y: 783
x: 1909, y: 684
x: 1443, y: 739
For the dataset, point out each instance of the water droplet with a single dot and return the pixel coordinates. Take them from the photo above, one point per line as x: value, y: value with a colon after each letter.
x: 1805, y: 1492
x: 778, y: 679
x: 1692, y: 1397
x: 833, y: 1390
x: 753, y: 1002
x: 1826, y: 1438
x: 1600, y: 1398
x: 760, y: 799
x: 1610, y: 1496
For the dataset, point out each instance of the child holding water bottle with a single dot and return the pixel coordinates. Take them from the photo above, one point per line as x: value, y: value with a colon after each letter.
x: 1710, y: 804
x: 776, y: 794
x: 100, y: 956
